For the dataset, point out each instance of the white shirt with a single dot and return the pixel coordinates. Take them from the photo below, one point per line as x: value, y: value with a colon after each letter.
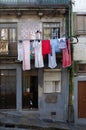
x: 38, y: 54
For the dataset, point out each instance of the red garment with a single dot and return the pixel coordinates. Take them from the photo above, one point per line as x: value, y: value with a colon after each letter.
x: 46, y: 48
x: 66, y: 52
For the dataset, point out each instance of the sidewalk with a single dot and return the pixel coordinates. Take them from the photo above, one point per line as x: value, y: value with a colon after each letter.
x: 77, y: 127
x: 32, y: 121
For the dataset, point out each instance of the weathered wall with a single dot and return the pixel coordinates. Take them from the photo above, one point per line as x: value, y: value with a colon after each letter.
x: 56, y: 111
x: 79, y: 6
x: 80, y: 49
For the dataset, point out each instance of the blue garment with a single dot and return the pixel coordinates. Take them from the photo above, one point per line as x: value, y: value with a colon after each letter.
x: 55, y: 45
x: 52, y: 57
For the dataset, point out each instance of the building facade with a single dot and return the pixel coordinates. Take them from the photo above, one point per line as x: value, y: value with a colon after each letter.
x: 41, y: 89
x: 79, y: 16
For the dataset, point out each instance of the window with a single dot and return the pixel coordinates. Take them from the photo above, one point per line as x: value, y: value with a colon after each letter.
x: 51, y: 30
x: 52, y: 84
x: 8, y: 38
x: 81, y: 24
x: 81, y: 67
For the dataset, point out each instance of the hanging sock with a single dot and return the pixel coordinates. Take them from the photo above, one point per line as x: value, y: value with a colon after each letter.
x: 26, y: 55
x: 66, y: 52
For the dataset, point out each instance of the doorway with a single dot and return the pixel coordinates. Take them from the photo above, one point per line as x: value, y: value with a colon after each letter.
x: 30, y: 90
x: 7, y: 89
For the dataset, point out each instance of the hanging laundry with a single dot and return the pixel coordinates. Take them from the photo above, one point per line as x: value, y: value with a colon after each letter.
x: 38, y: 34
x: 20, y: 51
x: 32, y: 53
x: 66, y: 52
x: 52, y: 57
x: 62, y: 43
x: 38, y: 54
x: 46, y: 48
x: 32, y: 35
x: 26, y: 55
x: 55, y: 45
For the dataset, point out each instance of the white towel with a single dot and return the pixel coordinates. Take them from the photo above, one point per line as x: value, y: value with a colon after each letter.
x: 26, y: 55
x: 20, y: 51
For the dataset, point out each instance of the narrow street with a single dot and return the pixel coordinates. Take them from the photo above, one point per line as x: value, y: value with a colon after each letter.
x: 31, y: 121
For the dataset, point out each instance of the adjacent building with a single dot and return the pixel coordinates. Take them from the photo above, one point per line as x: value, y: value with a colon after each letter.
x: 79, y: 24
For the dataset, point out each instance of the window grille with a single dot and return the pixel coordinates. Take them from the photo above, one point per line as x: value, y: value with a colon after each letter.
x: 51, y: 30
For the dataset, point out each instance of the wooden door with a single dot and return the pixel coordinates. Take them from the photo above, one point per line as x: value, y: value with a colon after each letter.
x: 82, y: 99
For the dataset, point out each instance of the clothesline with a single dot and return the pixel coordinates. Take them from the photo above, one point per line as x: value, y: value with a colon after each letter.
x: 71, y: 37
x: 30, y: 40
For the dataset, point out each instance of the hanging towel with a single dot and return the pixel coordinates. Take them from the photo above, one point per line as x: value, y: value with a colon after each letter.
x: 46, y: 48
x: 62, y: 43
x: 20, y: 51
x: 66, y: 52
x: 52, y: 60
x: 55, y: 45
x: 52, y: 57
x: 26, y: 55
x: 38, y: 54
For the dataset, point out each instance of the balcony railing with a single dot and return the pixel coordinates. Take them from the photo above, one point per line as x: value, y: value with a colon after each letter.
x: 8, y: 49
x: 33, y: 2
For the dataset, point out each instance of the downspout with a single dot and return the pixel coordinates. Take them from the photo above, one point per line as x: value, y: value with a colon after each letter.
x: 71, y: 70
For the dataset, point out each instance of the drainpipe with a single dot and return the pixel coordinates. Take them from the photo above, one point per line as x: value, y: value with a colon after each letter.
x: 71, y: 70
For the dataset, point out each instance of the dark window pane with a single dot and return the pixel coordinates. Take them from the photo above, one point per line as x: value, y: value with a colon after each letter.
x: 12, y: 35
x: 7, y: 89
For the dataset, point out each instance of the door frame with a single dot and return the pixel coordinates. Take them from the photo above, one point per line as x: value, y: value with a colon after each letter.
x: 77, y: 120
x: 29, y: 74
x: 17, y: 67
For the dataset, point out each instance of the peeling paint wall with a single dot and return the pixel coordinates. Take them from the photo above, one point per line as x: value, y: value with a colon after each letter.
x: 80, y: 49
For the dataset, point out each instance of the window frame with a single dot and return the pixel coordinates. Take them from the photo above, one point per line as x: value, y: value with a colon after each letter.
x: 52, y: 84
x: 81, y: 32
x: 51, y: 27
x: 11, y: 45
x: 81, y: 68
